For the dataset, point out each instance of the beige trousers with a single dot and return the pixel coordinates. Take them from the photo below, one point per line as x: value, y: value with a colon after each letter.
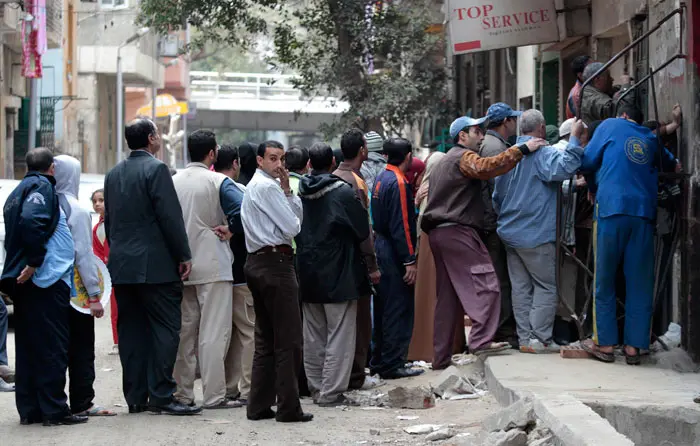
x: 239, y: 359
x: 206, y: 329
x: 329, y: 348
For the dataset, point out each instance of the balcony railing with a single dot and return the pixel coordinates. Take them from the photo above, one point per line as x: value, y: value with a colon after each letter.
x: 210, y: 84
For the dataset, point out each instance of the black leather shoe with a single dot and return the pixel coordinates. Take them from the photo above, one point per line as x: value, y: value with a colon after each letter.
x: 266, y: 414
x: 303, y: 418
x: 174, y: 408
x: 138, y: 408
x: 402, y: 373
x: 29, y: 420
x: 68, y: 420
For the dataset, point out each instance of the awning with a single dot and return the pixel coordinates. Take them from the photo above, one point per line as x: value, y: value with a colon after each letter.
x: 166, y: 105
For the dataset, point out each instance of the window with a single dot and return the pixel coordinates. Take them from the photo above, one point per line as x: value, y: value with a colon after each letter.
x: 113, y: 4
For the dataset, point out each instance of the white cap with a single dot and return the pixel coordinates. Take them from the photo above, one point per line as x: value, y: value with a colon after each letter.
x: 565, y: 128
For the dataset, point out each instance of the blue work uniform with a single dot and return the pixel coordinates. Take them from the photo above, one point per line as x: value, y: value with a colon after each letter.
x: 625, y: 158
x: 394, y: 222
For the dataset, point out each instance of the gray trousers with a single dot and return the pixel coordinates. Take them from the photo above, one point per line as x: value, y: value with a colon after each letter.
x: 533, y: 278
x: 329, y: 348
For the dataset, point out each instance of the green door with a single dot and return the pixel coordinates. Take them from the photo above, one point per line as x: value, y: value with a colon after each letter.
x: 550, y: 92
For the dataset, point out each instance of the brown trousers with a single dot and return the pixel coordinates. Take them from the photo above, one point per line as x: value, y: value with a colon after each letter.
x: 278, y: 335
x: 466, y: 283
x: 363, y: 338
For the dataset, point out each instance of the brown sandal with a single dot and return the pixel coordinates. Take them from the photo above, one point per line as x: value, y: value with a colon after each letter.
x: 592, y: 349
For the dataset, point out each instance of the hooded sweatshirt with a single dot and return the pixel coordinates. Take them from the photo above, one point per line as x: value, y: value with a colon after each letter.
x: 67, y: 177
x: 329, y: 260
x: 247, y: 158
x: 371, y: 168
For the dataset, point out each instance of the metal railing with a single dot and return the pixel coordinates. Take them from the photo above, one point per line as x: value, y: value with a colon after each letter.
x: 259, y: 86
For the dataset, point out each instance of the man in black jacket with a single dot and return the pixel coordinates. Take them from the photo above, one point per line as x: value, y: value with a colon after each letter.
x: 38, y: 273
x: 332, y: 276
x: 148, y: 260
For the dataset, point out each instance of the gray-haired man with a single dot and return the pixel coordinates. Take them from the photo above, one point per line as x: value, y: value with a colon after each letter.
x: 525, y: 200
x: 597, y: 103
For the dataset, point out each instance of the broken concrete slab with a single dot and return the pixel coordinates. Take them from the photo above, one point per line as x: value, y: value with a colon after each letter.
x: 411, y: 398
x: 442, y: 434
x: 514, y: 437
x: 548, y: 441
x: 453, y: 384
x: 419, y: 429
x: 450, y: 377
x: 519, y: 415
x: 576, y: 424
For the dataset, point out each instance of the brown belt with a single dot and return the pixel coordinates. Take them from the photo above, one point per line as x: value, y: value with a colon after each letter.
x: 284, y: 249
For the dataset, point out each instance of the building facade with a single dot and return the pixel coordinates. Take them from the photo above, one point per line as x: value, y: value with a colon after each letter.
x: 14, y: 88
x: 540, y: 76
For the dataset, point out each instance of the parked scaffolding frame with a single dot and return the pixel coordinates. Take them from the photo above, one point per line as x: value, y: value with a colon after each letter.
x: 661, y: 271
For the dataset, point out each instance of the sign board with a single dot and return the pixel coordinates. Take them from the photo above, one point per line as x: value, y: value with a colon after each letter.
x: 170, y: 46
x: 482, y: 25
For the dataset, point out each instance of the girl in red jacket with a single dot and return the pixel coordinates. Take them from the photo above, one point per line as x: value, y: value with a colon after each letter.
x: 101, y: 249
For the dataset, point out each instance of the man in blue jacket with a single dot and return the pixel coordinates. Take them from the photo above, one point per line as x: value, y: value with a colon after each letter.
x: 394, y: 222
x: 625, y: 157
x: 525, y: 200
x: 38, y: 274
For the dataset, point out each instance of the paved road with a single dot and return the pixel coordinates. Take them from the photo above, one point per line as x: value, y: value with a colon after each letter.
x: 229, y: 427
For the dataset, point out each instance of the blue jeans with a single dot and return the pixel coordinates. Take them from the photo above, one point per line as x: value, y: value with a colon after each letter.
x: 3, y: 333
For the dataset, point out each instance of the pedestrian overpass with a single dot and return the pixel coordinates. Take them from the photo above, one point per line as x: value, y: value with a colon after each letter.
x: 253, y: 101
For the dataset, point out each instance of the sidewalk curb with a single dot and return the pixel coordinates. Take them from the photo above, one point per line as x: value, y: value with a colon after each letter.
x: 574, y: 423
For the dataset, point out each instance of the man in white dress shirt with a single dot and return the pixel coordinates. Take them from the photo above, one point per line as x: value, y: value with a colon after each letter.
x: 271, y: 217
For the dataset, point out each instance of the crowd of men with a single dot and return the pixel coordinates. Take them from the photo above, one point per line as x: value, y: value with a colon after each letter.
x: 270, y: 272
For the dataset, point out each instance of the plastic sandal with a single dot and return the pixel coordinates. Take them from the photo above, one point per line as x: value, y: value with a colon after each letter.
x: 589, y: 347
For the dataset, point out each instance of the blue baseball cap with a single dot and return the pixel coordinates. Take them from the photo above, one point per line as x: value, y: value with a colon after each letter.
x: 462, y: 123
x: 500, y: 111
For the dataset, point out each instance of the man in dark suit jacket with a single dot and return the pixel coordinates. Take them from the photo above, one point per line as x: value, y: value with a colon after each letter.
x: 148, y: 260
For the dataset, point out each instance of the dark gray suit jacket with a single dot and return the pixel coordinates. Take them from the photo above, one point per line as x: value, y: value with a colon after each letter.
x: 143, y: 222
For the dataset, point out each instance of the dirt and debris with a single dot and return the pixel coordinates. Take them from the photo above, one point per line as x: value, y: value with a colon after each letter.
x: 442, y: 434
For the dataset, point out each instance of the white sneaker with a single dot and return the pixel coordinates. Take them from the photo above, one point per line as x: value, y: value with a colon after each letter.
x: 536, y: 346
x: 5, y: 387
x: 372, y: 382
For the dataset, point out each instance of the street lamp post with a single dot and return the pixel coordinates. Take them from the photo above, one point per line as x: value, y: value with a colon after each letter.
x: 120, y: 91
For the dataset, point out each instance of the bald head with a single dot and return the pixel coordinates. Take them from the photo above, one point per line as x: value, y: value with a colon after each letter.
x: 40, y: 160
x: 532, y: 123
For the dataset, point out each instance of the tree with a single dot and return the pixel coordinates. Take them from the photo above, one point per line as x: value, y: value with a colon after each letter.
x: 376, y: 55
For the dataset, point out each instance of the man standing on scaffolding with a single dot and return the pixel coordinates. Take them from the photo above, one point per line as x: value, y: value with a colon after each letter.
x: 625, y: 157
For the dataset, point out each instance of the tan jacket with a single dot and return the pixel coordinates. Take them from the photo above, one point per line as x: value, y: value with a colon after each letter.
x: 198, y: 190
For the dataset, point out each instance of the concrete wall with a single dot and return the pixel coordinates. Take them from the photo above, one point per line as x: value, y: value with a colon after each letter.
x: 526, y: 71
x: 690, y: 253
x: 96, y: 120
x: 607, y: 14
x: 12, y: 89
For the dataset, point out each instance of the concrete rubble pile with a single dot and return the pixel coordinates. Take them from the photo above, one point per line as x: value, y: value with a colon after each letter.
x: 517, y: 425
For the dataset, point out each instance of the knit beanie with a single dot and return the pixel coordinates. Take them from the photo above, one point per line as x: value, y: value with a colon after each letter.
x: 375, y: 142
